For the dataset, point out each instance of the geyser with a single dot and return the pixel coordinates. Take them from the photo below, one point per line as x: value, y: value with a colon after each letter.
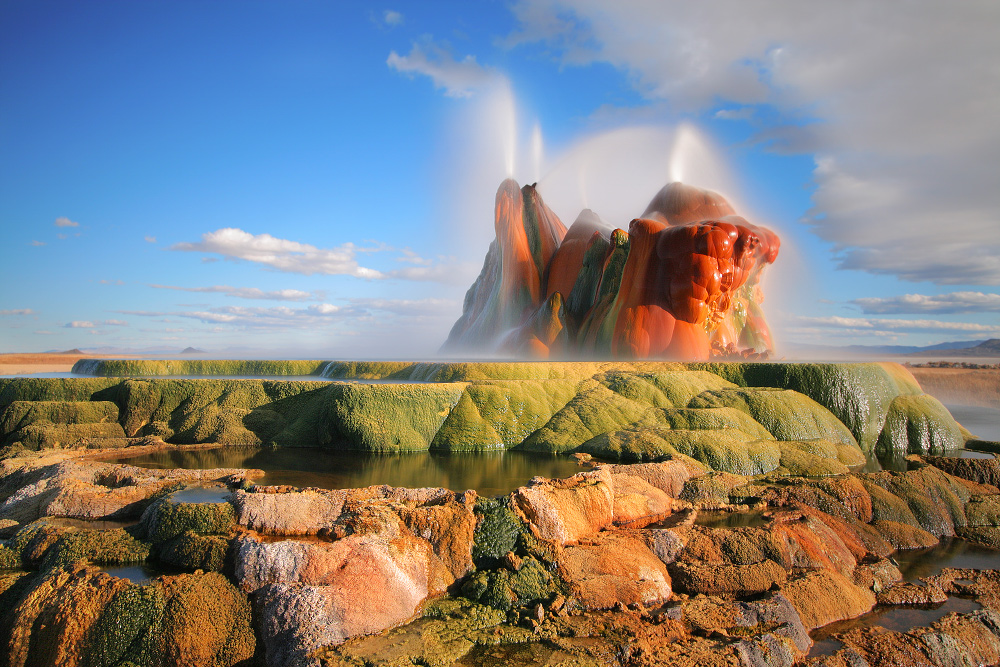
x: 682, y: 283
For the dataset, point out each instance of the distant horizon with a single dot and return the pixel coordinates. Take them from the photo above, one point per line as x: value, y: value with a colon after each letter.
x: 801, y: 354
x: 321, y: 176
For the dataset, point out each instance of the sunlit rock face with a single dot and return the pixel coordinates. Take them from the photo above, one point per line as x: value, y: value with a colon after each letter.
x: 682, y: 283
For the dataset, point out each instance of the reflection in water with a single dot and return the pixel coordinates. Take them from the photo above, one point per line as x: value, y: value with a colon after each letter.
x: 897, y: 460
x: 138, y: 574
x: 201, y: 494
x: 489, y: 473
x: 899, y: 619
x: 88, y: 524
x: 916, y: 564
x: 950, y: 552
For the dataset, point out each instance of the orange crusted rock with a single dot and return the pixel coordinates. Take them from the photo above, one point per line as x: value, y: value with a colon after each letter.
x: 682, y: 283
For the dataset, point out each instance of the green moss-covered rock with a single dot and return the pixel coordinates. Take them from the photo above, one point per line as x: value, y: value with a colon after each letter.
x: 594, y: 411
x: 697, y: 419
x: 386, y: 417
x: 497, y: 532
x: 9, y: 559
x: 859, y: 395
x: 728, y: 450
x: 813, y: 458
x: 505, y: 589
x: 57, y: 389
x: 191, y: 551
x: 208, y: 367
x: 165, y: 520
x: 23, y: 413
x: 101, y: 547
x: 129, y: 630
x: 62, y: 436
x: 668, y: 389
x: 786, y: 414
x: 499, y: 415
x: 32, y: 541
x: 245, y: 412
x: 206, y: 621
x: 918, y: 425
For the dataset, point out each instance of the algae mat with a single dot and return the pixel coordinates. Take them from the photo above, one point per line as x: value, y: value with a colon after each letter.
x: 846, y: 410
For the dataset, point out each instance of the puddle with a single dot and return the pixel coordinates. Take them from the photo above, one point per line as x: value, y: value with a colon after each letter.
x: 88, y: 524
x: 720, y: 519
x: 950, y: 552
x: 140, y: 573
x: 488, y: 473
x: 514, y: 655
x: 900, y: 619
x: 201, y: 494
x: 973, y: 454
x: 916, y: 564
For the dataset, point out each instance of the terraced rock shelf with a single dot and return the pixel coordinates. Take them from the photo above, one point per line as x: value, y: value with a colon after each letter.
x: 608, y: 566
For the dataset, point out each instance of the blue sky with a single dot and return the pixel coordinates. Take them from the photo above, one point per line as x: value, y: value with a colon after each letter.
x: 316, y: 178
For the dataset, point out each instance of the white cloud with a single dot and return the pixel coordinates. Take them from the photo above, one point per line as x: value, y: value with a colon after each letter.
x: 278, y: 317
x: 955, y: 302
x: 321, y: 315
x: 410, y: 307
x: 458, y: 78
x: 18, y: 311
x: 871, y: 325
x: 80, y: 324
x: 149, y: 239
x: 392, y: 18
x: 115, y: 323
x: 43, y: 333
x: 898, y: 103
x: 65, y: 222
x: 295, y: 257
x: 281, y: 254
x: 248, y: 292
x: 37, y: 244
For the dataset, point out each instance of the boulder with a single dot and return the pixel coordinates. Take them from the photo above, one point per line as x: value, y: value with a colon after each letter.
x: 297, y: 513
x: 614, y: 569
x: 637, y: 502
x: 825, y: 596
x: 567, y: 510
x: 728, y: 580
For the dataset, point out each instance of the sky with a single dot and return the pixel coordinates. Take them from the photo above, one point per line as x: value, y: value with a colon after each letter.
x: 307, y: 179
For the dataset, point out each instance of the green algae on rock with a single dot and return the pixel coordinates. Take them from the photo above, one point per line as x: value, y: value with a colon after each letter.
x: 386, y: 417
x: 165, y: 520
x: 478, y: 406
x: 918, y: 424
x: 724, y: 449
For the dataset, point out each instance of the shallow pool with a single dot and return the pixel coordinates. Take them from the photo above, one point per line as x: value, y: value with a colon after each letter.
x: 982, y: 422
x: 915, y: 564
x: 488, y: 473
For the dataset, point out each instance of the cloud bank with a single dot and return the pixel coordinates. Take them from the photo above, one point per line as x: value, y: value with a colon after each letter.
x: 897, y: 101
x: 955, y: 302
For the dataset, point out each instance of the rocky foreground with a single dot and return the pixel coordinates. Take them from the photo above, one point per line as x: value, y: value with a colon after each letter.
x: 615, y: 565
x: 607, y: 567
